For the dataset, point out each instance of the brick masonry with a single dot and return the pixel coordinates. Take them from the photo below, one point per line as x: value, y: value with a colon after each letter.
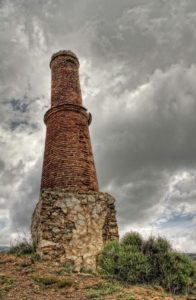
x: 72, y: 219
x: 68, y: 157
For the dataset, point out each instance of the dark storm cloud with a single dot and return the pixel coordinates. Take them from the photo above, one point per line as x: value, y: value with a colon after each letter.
x: 145, y: 140
x: 138, y: 79
x: 2, y: 166
x: 151, y: 126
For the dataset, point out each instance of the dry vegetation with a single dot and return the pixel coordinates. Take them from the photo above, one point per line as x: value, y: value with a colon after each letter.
x: 25, y: 277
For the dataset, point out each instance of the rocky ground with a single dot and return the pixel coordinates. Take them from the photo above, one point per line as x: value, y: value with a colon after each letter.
x: 27, y: 278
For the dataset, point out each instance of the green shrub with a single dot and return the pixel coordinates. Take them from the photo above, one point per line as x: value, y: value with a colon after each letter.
x: 133, y: 239
x: 155, y: 246
x: 170, y: 269
x: 133, y: 265
x: 155, y: 250
x: 108, y: 260
x: 153, y: 261
x: 123, y: 262
x: 176, y: 272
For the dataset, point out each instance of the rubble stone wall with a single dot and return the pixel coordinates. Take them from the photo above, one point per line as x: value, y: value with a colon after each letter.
x: 71, y: 226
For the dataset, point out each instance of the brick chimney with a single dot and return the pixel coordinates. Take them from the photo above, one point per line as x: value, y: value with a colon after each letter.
x: 72, y: 219
x: 68, y: 157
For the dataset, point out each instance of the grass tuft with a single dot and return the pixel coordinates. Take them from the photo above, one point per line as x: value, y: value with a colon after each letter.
x: 22, y: 247
x: 50, y: 280
x: 45, y: 280
x: 63, y: 283
x: 102, y: 289
x: 67, y: 267
x: 6, y: 284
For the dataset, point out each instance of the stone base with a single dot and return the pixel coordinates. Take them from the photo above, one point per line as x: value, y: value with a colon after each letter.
x: 71, y: 226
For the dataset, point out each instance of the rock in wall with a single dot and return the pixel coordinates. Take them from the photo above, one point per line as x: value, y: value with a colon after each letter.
x: 71, y: 226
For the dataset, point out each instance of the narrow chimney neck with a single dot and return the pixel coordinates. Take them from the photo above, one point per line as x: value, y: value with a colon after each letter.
x: 69, y: 54
x: 65, y: 88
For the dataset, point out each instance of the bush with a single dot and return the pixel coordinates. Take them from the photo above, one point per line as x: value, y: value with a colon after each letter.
x: 155, y: 246
x: 153, y: 261
x: 155, y: 250
x: 22, y: 247
x: 176, y: 272
x: 170, y: 269
x: 123, y: 262
x: 133, y: 265
x: 133, y: 239
x: 108, y: 261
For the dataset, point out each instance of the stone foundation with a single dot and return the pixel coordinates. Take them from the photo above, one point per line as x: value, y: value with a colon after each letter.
x: 71, y: 226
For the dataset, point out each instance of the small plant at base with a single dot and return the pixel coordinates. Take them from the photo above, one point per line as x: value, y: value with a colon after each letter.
x: 34, y: 256
x: 22, y: 247
x: 102, y: 289
x: 45, y: 280
x: 130, y: 297
x: 68, y: 267
x: 62, y: 283
x: 85, y: 270
x: 6, y: 284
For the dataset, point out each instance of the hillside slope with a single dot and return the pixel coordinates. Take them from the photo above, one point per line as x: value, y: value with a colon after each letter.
x: 25, y: 278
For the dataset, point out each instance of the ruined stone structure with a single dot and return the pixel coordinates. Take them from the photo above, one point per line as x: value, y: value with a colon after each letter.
x: 72, y: 219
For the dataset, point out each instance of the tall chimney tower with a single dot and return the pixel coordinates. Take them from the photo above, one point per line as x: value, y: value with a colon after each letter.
x: 72, y: 219
x: 68, y: 158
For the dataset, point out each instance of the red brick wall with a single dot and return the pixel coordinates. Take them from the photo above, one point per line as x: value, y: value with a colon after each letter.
x: 68, y: 158
x: 65, y: 80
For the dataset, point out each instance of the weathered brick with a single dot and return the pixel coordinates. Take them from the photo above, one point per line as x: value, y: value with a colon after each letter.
x: 68, y: 157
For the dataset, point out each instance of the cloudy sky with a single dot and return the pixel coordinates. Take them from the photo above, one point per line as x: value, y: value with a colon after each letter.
x: 138, y: 78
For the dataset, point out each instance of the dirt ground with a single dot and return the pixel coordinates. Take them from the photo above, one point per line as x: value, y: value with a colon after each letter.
x: 23, y: 278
